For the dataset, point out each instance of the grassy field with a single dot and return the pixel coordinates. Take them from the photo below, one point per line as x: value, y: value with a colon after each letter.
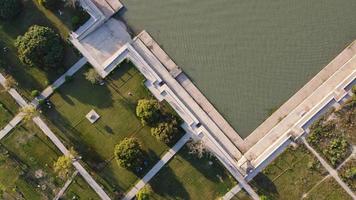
x: 291, y: 175
x: 79, y: 189
x: 116, y: 107
x: 31, y: 78
x: 327, y: 190
x: 188, y: 177
x: 34, y: 155
x: 8, y: 107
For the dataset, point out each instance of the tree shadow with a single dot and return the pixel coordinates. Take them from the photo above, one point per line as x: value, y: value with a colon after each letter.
x: 167, y: 185
x: 81, y: 89
x: 264, y: 185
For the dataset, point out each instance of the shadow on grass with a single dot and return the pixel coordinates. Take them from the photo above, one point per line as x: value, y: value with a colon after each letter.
x: 166, y: 185
x: 86, y: 92
x: 265, y: 185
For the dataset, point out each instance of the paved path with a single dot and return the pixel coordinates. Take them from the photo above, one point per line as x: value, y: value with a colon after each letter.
x: 40, y: 123
x: 16, y: 120
x: 50, y: 89
x: 18, y: 98
x: 331, y: 171
x: 132, y: 193
x: 65, y: 187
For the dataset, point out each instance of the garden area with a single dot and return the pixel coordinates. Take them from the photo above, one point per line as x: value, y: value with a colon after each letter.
x: 114, y: 100
x: 348, y: 173
x: 187, y: 176
x: 289, y: 176
x: 35, y: 75
x: 335, y: 132
x: 27, y: 158
x: 328, y: 189
x: 8, y: 108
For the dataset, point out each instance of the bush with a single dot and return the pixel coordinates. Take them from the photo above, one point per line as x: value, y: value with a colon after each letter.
x: 167, y: 132
x: 10, y: 8
x: 144, y: 193
x: 92, y: 76
x: 148, y: 111
x: 128, y: 154
x: 40, y: 46
x: 50, y: 4
x: 336, y: 151
x: 35, y: 93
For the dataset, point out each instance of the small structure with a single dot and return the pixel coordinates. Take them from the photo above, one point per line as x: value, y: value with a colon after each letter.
x: 92, y: 116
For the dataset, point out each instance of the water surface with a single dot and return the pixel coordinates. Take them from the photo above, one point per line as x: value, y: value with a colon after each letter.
x: 247, y: 57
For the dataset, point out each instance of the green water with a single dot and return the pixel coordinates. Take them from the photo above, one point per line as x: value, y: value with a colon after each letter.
x: 247, y: 56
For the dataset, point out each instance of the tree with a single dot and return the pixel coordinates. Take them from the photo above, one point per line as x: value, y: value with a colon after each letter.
x: 197, y: 148
x: 63, y: 165
x: 92, y: 76
x: 40, y: 46
x: 128, y: 154
x: 144, y: 193
x: 10, y: 8
x: 167, y: 132
x: 28, y: 112
x: 10, y: 83
x: 148, y: 111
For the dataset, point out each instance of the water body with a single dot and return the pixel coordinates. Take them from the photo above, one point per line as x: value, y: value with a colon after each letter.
x: 247, y: 57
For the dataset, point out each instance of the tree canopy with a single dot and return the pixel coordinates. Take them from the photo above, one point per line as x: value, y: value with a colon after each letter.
x: 40, y: 46
x: 92, y: 76
x: 148, y: 111
x: 63, y: 165
x: 167, y: 132
x: 128, y: 153
x: 10, y: 8
x: 144, y: 193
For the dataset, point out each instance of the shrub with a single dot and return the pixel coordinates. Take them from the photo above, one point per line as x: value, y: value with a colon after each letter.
x: 63, y: 166
x: 167, y: 132
x: 148, y: 111
x: 144, y: 193
x: 35, y: 93
x: 336, y: 151
x: 10, y: 8
x: 128, y: 154
x: 50, y: 4
x: 40, y: 46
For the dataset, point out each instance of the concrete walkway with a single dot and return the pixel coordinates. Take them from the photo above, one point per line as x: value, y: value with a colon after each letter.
x: 50, y: 89
x: 65, y: 187
x: 12, y: 124
x: 18, y: 98
x: 331, y: 171
x: 132, y: 193
x: 40, y: 123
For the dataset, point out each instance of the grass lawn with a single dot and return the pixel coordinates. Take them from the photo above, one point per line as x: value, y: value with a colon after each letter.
x: 292, y: 174
x: 31, y: 78
x: 242, y: 195
x: 79, y: 189
x: 188, y: 177
x: 116, y: 107
x: 8, y: 108
x: 327, y: 190
x: 35, y: 154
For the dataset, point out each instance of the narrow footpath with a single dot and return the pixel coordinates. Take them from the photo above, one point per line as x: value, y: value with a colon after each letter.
x: 167, y: 157
x: 331, y: 170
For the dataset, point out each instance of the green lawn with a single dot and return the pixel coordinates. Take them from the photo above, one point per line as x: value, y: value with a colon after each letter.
x: 79, y: 189
x: 292, y: 174
x: 188, y: 177
x: 116, y: 108
x: 34, y: 155
x: 8, y: 108
x: 30, y: 78
x: 329, y: 189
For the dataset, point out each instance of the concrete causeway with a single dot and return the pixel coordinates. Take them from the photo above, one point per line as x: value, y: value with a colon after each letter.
x: 166, y: 81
